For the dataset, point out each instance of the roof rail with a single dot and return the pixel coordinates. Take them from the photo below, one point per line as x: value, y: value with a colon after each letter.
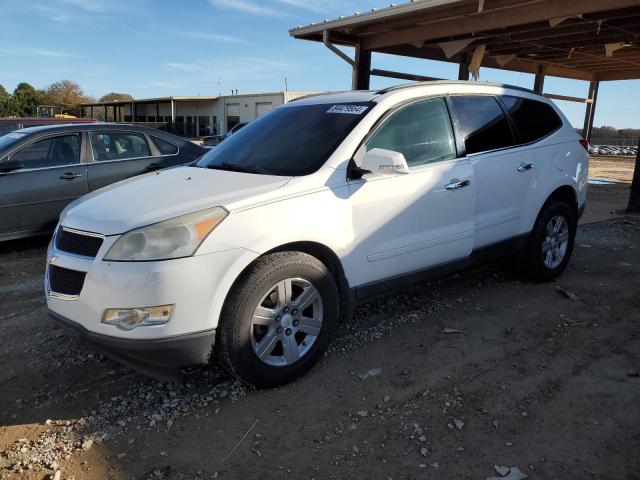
x: 452, y: 82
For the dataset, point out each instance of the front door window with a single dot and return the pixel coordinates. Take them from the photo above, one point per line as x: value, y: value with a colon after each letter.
x: 50, y: 152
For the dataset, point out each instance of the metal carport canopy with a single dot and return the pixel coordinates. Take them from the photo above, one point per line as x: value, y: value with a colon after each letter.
x: 592, y: 40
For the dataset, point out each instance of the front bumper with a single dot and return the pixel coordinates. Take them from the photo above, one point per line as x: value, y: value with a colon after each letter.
x: 159, y: 357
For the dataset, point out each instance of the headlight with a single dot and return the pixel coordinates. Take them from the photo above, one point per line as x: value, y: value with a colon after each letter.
x: 175, y: 238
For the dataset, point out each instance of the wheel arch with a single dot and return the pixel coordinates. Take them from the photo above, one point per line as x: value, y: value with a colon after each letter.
x: 328, y: 257
x: 323, y: 253
x: 566, y: 194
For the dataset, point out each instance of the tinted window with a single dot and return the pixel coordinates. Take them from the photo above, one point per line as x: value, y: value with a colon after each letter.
x: 50, y: 152
x: 484, y: 125
x: 166, y: 148
x: 291, y: 140
x: 421, y: 131
x: 118, y: 146
x: 533, y: 119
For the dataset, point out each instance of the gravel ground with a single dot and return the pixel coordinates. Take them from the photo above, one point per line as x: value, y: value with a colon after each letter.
x: 476, y: 375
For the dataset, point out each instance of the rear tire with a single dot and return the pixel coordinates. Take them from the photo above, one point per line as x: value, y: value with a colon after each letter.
x: 278, y: 319
x: 551, y: 242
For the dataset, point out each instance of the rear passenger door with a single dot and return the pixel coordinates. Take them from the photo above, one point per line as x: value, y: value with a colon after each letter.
x: 504, y: 173
x: 119, y: 154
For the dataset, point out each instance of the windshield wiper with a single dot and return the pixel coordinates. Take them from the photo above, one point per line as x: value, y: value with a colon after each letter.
x: 236, y: 167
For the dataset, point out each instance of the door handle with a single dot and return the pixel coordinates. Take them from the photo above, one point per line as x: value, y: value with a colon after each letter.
x: 455, y: 184
x: 70, y: 176
x: 525, y: 166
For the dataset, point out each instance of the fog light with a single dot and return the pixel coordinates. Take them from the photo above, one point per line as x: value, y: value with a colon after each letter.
x: 130, y: 318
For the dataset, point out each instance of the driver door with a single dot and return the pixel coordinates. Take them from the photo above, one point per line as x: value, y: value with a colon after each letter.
x: 50, y: 177
x: 410, y: 222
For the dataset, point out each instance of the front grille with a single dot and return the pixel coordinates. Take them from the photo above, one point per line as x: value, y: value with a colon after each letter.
x: 77, y: 243
x: 65, y: 281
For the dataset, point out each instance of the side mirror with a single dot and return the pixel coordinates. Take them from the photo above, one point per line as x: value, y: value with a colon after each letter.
x: 379, y: 161
x: 10, y: 165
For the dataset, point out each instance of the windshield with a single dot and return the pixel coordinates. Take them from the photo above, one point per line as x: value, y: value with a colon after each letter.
x: 10, y: 138
x: 290, y: 141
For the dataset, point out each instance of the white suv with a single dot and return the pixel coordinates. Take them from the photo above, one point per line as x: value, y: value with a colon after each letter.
x: 256, y: 251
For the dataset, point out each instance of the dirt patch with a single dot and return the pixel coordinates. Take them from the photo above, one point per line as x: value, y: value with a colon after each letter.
x: 441, y: 380
x: 615, y: 168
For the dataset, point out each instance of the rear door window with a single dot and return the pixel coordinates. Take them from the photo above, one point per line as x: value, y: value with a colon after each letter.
x: 534, y: 120
x: 50, y: 152
x: 483, y: 123
x: 118, y: 146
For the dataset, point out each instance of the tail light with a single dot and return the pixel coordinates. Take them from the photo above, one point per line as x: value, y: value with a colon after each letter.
x: 585, y: 144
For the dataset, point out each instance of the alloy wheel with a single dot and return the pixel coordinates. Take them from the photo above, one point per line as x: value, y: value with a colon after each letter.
x: 286, y: 322
x: 556, y: 242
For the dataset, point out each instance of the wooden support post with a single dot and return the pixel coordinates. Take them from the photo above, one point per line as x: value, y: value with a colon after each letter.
x: 538, y: 84
x: 361, y: 69
x: 634, y: 196
x: 463, y: 70
x: 590, y: 113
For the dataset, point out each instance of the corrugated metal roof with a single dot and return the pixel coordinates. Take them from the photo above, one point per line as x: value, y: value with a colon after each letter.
x: 371, y: 15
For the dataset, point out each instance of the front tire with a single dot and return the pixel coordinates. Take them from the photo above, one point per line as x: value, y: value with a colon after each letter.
x: 551, y: 242
x: 278, y: 320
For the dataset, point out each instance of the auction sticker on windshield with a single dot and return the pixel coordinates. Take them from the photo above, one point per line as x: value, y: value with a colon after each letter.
x: 348, y: 109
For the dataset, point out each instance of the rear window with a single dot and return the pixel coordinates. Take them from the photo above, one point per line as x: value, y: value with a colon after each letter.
x: 534, y: 120
x: 483, y: 123
x: 291, y: 140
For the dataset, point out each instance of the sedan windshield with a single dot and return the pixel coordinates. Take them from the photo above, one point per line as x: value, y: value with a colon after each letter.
x: 290, y: 141
x: 10, y: 138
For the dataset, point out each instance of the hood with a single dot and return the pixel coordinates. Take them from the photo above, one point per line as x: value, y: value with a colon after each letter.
x: 158, y: 196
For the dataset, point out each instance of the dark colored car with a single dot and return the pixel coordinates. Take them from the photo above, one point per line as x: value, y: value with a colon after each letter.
x: 213, y: 140
x: 42, y: 169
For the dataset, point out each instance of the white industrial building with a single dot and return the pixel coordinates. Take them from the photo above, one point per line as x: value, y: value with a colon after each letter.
x: 196, y: 116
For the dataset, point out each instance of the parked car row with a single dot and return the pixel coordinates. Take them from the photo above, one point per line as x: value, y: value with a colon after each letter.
x: 42, y: 169
x: 254, y: 253
x: 612, y: 150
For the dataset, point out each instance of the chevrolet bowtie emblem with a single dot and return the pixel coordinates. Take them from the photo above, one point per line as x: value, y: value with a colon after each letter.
x: 51, y: 260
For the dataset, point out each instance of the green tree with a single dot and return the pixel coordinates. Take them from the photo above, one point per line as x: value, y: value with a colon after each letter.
x: 113, y: 96
x: 7, y: 105
x: 26, y: 99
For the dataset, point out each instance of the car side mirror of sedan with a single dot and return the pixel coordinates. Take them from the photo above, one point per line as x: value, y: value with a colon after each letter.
x: 379, y: 161
x: 10, y: 165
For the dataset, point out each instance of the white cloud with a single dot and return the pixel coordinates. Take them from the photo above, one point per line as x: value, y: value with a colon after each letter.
x: 248, y: 6
x: 231, y: 68
x: 212, y: 37
x: 305, y: 5
x: 54, y: 53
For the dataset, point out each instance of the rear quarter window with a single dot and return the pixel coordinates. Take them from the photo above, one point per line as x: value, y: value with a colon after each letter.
x: 165, y: 147
x: 534, y: 120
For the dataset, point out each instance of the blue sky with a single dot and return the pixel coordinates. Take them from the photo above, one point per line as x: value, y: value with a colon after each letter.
x: 154, y: 48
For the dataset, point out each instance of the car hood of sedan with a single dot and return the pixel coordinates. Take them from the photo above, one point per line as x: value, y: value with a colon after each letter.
x: 158, y: 196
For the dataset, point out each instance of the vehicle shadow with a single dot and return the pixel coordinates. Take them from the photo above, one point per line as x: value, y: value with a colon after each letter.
x: 25, y: 245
